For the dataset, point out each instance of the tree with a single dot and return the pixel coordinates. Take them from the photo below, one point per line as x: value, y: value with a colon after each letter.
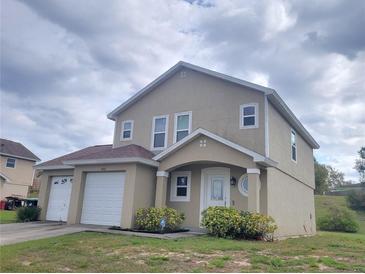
x: 321, y: 177
x: 360, y: 164
x: 335, y: 178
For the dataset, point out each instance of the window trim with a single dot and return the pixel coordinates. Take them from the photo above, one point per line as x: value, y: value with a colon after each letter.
x: 122, y: 130
x: 240, y: 188
x: 256, y: 115
x: 190, y: 113
x: 6, y: 164
x: 153, y: 132
x: 173, y: 186
x: 295, y: 144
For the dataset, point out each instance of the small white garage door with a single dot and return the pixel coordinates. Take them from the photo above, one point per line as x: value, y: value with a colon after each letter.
x: 103, y: 198
x: 59, y: 198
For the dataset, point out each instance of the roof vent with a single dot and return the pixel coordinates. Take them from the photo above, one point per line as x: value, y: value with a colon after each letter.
x: 182, y: 74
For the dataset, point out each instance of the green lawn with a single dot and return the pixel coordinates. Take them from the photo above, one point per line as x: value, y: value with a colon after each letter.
x: 101, y: 252
x: 7, y: 216
x: 323, y: 203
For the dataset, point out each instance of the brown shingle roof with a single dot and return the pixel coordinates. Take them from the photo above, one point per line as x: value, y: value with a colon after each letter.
x: 16, y: 149
x: 102, y: 152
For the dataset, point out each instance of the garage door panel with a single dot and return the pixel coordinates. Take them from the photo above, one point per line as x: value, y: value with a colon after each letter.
x: 103, y: 198
x: 59, y: 198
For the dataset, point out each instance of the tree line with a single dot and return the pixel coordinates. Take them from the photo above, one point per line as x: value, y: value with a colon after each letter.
x: 328, y: 178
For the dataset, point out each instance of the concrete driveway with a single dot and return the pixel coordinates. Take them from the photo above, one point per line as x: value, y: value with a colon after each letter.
x: 21, y: 232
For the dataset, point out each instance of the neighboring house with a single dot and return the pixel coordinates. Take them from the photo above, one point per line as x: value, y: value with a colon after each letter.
x: 16, y: 173
x: 191, y: 139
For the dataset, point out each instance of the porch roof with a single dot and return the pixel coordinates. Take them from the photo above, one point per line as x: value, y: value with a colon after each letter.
x: 257, y: 158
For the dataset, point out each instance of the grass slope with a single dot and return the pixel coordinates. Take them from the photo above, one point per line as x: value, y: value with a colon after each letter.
x: 323, y: 203
x: 101, y: 252
x: 7, y: 216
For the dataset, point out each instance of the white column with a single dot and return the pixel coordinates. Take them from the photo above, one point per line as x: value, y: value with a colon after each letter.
x: 161, y: 188
x: 253, y: 190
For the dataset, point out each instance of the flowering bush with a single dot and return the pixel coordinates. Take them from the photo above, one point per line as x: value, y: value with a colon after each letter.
x: 231, y: 223
x: 257, y: 226
x: 150, y: 219
x: 224, y: 222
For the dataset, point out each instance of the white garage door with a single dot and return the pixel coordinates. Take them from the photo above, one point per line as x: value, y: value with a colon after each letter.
x: 103, y: 198
x: 59, y: 198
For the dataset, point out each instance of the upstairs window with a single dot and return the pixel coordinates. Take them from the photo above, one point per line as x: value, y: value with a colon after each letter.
x: 10, y: 162
x: 127, y: 131
x: 249, y: 116
x: 159, y: 132
x: 293, y: 141
x: 182, y: 125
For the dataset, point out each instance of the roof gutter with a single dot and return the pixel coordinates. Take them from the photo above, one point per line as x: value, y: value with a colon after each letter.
x: 113, y: 161
x: 20, y: 157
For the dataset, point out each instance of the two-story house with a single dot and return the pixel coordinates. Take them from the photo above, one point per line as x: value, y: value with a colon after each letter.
x: 16, y: 171
x: 191, y: 139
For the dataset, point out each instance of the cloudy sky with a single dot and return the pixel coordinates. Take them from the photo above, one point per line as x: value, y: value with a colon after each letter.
x: 66, y: 64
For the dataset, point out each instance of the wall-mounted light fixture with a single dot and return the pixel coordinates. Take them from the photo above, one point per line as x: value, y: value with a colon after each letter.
x: 233, y: 181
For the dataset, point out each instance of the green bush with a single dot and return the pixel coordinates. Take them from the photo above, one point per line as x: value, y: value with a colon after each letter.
x: 150, y: 218
x: 356, y: 200
x: 257, y: 226
x: 225, y: 222
x: 338, y: 219
x: 28, y: 214
x: 231, y: 223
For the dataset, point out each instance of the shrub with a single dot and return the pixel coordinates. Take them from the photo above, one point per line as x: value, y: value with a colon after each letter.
x: 356, y: 200
x: 257, y: 226
x: 232, y: 223
x: 221, y: 221
x: 338, y: 219
x: 28, y: 214
x: 150, y: 218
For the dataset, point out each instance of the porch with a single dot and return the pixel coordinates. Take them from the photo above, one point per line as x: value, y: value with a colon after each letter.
x: 193, y: 187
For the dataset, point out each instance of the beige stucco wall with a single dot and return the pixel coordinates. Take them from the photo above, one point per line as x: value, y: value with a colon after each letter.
x: 213, y: 152
x: 21, y: 177
x: 291, y: 204
x: 280, y: 149
x: 145, y: 188
x: 215, y: 106
x: 138, y: 189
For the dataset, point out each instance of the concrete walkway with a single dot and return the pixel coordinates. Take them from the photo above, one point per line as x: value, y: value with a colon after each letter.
x: 21, y: 232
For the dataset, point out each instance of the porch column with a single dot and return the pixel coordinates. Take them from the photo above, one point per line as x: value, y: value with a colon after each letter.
x: 161, y: 188
x: 253, y: 190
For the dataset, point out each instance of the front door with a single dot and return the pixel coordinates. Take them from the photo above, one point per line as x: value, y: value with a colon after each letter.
x: 216, y: 191
x: 215, y: 187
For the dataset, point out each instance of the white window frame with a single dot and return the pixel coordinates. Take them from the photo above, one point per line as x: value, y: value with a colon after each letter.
x: 295, y: 145
x: 122, y: 130
x: 6, y: 164
x: 173, y: 188
x: 256, y: 115
x: 240, y: 188
x: 153, y: 132
x: 190, y: 113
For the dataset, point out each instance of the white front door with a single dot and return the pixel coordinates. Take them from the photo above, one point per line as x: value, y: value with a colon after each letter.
x: 103, y: 198
x: 215, y: 187
x: 216, y: 191
x: 59, y: 198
